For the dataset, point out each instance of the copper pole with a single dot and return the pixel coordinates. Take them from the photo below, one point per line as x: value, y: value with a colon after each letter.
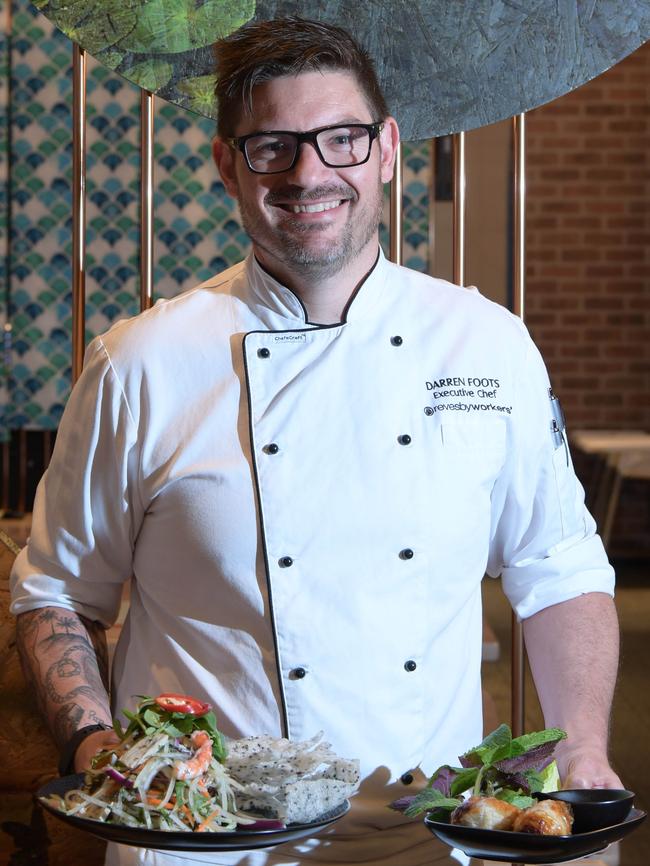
x: 146, y: 199
x: 458, y: 233
x: 432, y: 206
x: 396, y: 210
x: 7, y: 329
x: 517, y: 685
x: 519, y: 212
x: 78, y: 209
x: 22, y: 471
x: 4, y: 505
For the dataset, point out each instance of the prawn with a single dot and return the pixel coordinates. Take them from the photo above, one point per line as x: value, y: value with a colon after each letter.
x: 200, y: 761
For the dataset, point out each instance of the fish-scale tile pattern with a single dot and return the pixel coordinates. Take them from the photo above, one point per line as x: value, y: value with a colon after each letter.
x: 198, y: 231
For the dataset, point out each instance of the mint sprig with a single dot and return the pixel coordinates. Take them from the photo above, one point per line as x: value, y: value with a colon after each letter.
x: 509, y: 768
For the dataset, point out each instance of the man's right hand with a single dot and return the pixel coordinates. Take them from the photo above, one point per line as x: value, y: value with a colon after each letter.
x: 90, y: 746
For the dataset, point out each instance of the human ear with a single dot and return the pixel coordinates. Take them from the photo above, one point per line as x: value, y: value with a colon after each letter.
x: 388, y: 142
x: 224, y: 158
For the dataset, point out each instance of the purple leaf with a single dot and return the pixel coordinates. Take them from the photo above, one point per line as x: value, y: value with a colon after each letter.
x: 536, y: 759
x: 402, y: 804
x: 442, y: 779
x: 470, y: 760
x: 516, y: 781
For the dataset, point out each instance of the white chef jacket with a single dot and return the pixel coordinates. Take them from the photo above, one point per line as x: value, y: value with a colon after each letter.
x: 308, y: 511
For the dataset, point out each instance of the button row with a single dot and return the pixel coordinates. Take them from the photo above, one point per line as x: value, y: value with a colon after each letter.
x: 300, y: 673
x: 273, y: 447
x: 266, y: 353
x: 287, y: 561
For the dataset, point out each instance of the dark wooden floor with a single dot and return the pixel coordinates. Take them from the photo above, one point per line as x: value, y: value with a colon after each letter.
x: 630, y: 742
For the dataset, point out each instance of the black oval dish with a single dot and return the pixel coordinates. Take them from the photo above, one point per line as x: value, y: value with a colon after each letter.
x: 594, y: 808
x: 237, y: 840
x: 528, y: 848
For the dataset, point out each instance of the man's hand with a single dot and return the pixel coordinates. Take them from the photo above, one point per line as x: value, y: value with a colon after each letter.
x: 93, y: 743
x: 584, y: 768
x: 573, y: 653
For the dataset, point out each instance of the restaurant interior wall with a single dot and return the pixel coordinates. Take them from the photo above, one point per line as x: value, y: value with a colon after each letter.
x: 197, y: 227
x: 588, y: 254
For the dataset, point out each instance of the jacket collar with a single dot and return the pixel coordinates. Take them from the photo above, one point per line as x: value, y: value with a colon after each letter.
x: 279, y: 308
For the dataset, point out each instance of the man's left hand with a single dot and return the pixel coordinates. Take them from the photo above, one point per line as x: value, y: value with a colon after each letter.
x: 582, y: 768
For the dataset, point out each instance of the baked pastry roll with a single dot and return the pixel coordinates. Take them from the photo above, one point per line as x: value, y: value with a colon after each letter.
x: 486, y: 813
x: 547, y: 817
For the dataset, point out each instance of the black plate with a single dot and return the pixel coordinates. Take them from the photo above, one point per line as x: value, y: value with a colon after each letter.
x: 528, y: 848
x: 239, y: 840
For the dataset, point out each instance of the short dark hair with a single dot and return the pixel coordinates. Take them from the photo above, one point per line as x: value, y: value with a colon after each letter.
x: 264, y: 50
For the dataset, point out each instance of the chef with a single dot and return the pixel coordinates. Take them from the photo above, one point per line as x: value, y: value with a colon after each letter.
x: 307, y: 465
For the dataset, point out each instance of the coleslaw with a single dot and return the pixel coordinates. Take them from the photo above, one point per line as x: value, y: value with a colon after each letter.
x: 167, y: 773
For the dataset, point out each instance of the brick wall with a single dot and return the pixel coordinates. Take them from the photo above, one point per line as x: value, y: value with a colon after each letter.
x: 588, y: 241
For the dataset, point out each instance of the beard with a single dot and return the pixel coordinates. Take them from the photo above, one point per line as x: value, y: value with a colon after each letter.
x: 296, y: 243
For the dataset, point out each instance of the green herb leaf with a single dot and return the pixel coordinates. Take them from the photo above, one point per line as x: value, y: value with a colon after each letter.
x: 151, y: 717
x: 500, y: 766
x: 496, y: 743
x: 465, y: 780
x: 535, y: 781
x: 522, y: 801
x: 526, y: 742
x: 431, y: 798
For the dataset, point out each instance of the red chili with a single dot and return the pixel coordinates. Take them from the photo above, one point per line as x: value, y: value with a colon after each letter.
x: 174, y: 703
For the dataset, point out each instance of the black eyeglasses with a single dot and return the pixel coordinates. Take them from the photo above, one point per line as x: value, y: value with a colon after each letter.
x: 337, y: 146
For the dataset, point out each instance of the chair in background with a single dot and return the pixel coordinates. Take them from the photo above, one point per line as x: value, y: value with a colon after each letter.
x: 619, y: 454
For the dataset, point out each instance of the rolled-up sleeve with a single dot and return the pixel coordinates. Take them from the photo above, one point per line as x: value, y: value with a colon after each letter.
x: 544, y: 543
x: 87, y: 509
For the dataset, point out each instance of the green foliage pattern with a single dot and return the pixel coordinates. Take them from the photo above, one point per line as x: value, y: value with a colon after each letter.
x: 152, y: 42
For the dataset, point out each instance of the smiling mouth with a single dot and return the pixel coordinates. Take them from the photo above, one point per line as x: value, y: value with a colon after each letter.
x: 317, y: 207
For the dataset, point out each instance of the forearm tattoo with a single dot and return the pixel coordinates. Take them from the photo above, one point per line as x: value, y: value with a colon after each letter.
x: 64, y: 657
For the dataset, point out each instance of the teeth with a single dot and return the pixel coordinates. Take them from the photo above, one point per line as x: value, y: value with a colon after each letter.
x: 313, y: 208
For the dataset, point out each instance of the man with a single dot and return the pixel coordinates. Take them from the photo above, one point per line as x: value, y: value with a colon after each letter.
x: 308, y: 464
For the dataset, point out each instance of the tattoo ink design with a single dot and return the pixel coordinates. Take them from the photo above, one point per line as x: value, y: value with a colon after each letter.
x: 65, y: 658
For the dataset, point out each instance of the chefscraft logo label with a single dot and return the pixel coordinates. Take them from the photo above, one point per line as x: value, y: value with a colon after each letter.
x: 289, y: 338
x: 478, y: 393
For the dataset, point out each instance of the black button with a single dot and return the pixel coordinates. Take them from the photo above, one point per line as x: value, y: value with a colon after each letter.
x: 264, y: 353
x: 272, y: 448
x: 396, y: 341
x: 428, y: 410
x: 404, y: 439
x: 286, y: 561
x: 410, y: 666
x: 298, y: 673
x: 406, y: 778
x: 407, y: 553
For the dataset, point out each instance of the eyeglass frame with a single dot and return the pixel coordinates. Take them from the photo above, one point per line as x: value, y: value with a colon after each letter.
x: 374, y: 130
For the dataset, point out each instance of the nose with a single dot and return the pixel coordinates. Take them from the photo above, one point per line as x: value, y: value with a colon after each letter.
x: 309, y: 167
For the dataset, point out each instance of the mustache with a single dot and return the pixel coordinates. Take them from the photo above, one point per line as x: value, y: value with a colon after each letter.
x: 298, y: 194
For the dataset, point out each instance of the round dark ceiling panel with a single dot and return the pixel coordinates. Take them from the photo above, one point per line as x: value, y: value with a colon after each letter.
x: 446, y: 65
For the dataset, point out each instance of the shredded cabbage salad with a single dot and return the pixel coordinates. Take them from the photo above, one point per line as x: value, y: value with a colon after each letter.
x: 167, y: 773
